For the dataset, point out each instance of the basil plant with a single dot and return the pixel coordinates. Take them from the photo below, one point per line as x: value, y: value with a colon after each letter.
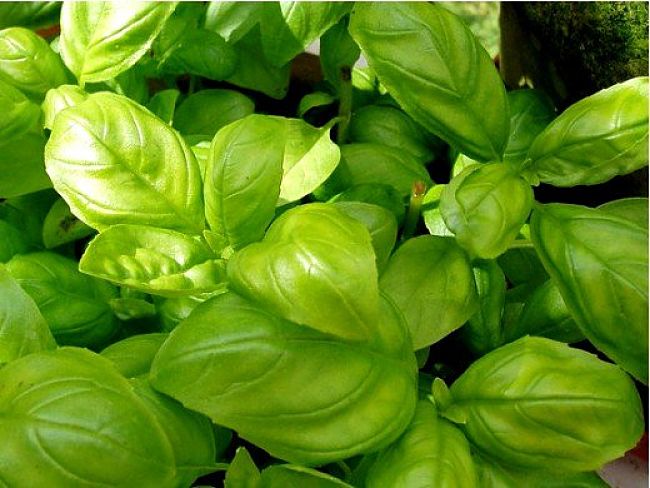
x: 215, y: 271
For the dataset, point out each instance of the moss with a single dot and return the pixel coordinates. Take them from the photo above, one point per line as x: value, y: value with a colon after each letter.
x: 593, y: 44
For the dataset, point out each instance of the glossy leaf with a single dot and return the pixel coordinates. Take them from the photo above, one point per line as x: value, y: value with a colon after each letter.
x: 430, y: 280
x: 485, y: 207
x: 376, y: 194
x: 232, y: 20
x: 431, y: 452
x: 21, y: 145
x: 633, y: 209
x: 58, y: 99
x: 28, y: 63
x: 242, y: 472
x: 207, y: 111
x: 284, y: 475
x: 431, y: 213
x: 599, y: 262
x: 546, y: 402
x: 61, y: 227
x: 23, y: 330
x: 163, y: 104
x: 338, y: 51
x: 158, y: 261
x: 75, y: 306
x: 595, y: 139
x: 438, y: 72
x: 320, y: 421
x: 243, y: 177
x: 29, y: 14
x: 114, y: 162
x: 70, y: 419
x: 100, y: 40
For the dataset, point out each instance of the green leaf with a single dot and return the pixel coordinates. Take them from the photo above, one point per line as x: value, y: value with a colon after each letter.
x: 381, y: 225
x: 12, y: 242
x: 376, y: 194
x: 232, y: 20
x: 484, y: 330
x: 599, y: 262
x: 337, y: 51
x: 243, y: 177
x: 114, y: 162
x: 74, y: 305
x: 283, y: 475
x: 233, y: 368
x: 314, y: 100
x: 58, y: 99
x: 158, y: 261
x: 485, y: 207
x: 438, y: 72
x: 430, y: 280
x: 163, y: 104
x: 133, y: 356
x: 61, y: 227
x: 595, y: 139
x: 376, y: 163
x: 545, y: 315
x: 383, y: 124
x: 242, y: 472
x: 289, y: 27
x: 547, y: 403
x: 207, y: 111
x: 633, y: 209
x: 68, y: 418
x: 431, y: 452
x: 22, y: 327
x: 21, y: 144
x: 431, y: 213
x: 100, y: 40
x: 313, y: 258
x: 29, y: 14
x: 28, y: 63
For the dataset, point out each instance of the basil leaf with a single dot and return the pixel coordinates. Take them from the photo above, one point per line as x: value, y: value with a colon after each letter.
x: 595, y: 139
x: 163, y: 104
x: 383, y: 124
x: 283, y: 475
x: 133, y: 356
x: 313, y: 258
x: 485, y: 207
x: 381, y: 225
x: 28, y: 63
x: 158, y: 261
x: 599, y: 262
x: 431, y: 452
x: 438, y: 72
x: 484, y: 330
x: 74, y: 305
x: 21, y: 145
x: 61, y: 227
x: 633, y: 209
x: 242, y: 472
x: 114, y: 162
x: 546, y: 403
x: 314, y: 100
x: 22, y: 327
x: 12, y: 242
x: 378, y: 164
x: 207, y: 111
x: 376, y: 194
x: 244, y: 172
x: 69, y: 419
x: 100, y: 40
x: 289, y: 27
x: 232, y: 20
x: 58, y: 99
x: 430, y: 280
x: 545, y: 314
x: 29, y: 14
x: 337, y: 51
x: 431, y: 213
x: 201, y: 366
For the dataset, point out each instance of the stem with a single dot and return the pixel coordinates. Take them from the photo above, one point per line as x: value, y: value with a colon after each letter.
x: 345, y: 104
x: 415, y: 206
x: 521, y: 244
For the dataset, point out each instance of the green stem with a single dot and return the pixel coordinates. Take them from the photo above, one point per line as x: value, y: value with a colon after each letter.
x: 345, y: 104
x: 521, y: 244
x: 415, y: 206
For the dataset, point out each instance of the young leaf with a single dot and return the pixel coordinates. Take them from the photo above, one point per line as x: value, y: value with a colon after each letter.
x: 430, y: 280
x: 283, y: 475
x: 546, y: 401
x: 100, y: 40
x: 61, y: 227
x: 163, y: 104
x: 233, y: 20
x: 595, y: 139
x: 158, y: 261
x: 438, y: 72
x: 337, y: 51
x: 599, y: 262
x: 22, y: 327
x: 242, y: 472
x: 58, y: 99
x: 114, y: 162
x: 232, y: 368
x: 132, y: 356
